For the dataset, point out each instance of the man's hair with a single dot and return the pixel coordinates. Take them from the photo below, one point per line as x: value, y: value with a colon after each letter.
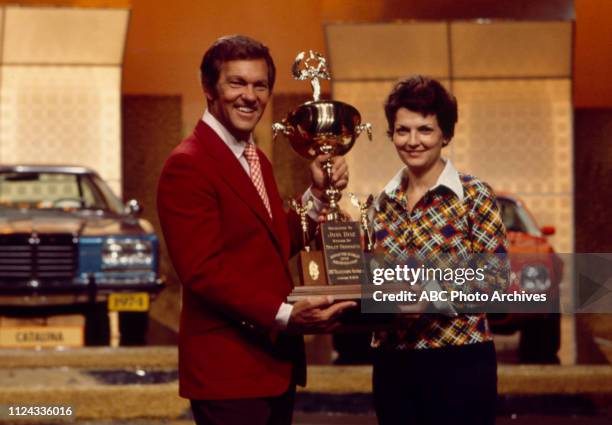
x: 229, y: 48
x: 425, y: 96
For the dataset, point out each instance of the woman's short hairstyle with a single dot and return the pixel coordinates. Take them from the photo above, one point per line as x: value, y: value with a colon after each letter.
x: 425, y: 96
x: 229, y: 48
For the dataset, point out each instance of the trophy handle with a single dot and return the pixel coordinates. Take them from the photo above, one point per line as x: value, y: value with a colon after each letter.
x: 278, y: 127
x: 297, y: 73
x: 365, y: 126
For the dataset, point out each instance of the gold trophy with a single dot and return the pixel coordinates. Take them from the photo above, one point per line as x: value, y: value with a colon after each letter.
x: 327, y: 127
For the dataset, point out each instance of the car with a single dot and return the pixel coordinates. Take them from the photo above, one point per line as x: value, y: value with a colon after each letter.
x: 536, y: 268
x: 69, y: 245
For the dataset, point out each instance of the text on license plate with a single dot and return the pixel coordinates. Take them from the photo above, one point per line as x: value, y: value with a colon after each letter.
x: 136, y: 301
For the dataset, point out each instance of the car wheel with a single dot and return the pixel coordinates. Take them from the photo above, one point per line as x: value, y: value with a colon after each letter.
x: 97, y: 326
x: 133, y: 327
x: 540, y: 340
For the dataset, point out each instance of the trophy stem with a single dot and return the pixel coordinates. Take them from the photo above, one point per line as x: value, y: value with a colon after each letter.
x: 304, y: 224
x: 333, y: 194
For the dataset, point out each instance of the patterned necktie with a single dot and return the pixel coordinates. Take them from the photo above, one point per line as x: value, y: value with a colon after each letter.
x: 250, y: 153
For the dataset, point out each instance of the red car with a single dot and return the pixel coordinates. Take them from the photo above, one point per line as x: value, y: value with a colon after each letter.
x: 537, y: 269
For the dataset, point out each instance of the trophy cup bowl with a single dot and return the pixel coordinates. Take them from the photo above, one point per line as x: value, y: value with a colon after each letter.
x: 323, y: 126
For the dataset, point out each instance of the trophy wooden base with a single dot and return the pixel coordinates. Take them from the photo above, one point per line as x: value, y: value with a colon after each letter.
x: 339, y: 292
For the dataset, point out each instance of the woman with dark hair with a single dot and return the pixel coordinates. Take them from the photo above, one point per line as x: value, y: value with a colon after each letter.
x: 436, y: 369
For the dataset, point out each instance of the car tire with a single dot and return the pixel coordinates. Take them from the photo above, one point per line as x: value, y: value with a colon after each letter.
x: 97, y: 325
x: 133, y: 327
x: 540, y: 340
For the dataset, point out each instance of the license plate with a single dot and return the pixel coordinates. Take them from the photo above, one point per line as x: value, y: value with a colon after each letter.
x: 41, y: 336
x: 136, y: 301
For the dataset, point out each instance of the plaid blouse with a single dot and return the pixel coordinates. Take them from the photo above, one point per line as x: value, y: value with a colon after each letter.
x: 457, y: 216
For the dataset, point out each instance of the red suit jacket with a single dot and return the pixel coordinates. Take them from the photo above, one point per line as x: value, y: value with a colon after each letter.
x: 231, y: 259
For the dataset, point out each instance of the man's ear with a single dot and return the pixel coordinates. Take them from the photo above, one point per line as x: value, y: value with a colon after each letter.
x: 209, y: 93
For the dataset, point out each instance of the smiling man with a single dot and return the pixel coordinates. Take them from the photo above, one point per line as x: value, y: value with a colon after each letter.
x: 229, y: 239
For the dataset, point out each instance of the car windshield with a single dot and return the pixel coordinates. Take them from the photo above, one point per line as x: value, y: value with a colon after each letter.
x: 56, y: 190
x: 516, y: 218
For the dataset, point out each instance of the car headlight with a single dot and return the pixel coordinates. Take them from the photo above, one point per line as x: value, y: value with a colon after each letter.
x: 535, y: 278
x: 127, y: 254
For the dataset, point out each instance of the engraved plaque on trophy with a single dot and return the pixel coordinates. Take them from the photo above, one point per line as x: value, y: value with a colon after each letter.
x: 344, y: 257
x: 327, y: 127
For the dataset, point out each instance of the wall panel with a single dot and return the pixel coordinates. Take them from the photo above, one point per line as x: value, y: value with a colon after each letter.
x: 386, y: 51
x: 62, y: 115
x: 511, y: 49
x: 60, y: 87
x: 42, y: 35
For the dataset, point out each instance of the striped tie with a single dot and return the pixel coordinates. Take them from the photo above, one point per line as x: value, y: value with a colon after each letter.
x: 250, y: 153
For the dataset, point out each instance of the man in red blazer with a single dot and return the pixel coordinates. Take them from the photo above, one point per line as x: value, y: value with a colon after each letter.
x: 240, y: 352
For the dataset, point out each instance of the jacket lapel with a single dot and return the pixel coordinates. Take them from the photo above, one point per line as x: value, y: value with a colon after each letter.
x: 276, y: 203
x: 232, y: 172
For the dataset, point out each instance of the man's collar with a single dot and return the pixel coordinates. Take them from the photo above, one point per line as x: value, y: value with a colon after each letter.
x: 449, y: 178
x: 234, y: 145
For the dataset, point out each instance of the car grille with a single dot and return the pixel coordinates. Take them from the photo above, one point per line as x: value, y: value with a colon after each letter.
x: 46, y: 257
